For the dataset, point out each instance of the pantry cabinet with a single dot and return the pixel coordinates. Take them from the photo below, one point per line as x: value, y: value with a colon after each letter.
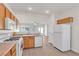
x: 29, y: 41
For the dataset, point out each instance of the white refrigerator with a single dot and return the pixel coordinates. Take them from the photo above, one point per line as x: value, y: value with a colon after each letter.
x: 62, y: 37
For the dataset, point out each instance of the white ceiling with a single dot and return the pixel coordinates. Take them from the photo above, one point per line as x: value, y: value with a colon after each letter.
x: 20, y: 8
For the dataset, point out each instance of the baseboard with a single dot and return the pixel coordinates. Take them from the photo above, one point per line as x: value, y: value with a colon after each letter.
x: 75, y: 51
x: 50, y: 42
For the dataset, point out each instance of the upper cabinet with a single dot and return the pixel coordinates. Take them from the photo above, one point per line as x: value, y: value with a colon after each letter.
x: 17, y: 22
x: 65, y: 20
x: 2, y: 16
x: 8, y: 13
x: 10, y: 24
x: 12, y: 17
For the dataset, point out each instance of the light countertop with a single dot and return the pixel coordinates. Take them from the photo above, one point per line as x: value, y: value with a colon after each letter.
x: 5, y: 47
x: 33, y: 34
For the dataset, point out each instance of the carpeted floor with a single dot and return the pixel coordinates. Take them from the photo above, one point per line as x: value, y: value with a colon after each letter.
x: 49, y: 50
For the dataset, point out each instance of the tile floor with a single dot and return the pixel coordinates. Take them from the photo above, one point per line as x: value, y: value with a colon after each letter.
x: 49, y: 50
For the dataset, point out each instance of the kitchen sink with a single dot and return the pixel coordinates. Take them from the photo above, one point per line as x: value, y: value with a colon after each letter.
x: 13, y: 38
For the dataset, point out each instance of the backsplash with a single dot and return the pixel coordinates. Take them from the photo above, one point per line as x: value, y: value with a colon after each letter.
x: 4, y: 34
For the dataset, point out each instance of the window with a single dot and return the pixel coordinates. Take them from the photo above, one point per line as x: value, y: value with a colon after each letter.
x: 40, y: 29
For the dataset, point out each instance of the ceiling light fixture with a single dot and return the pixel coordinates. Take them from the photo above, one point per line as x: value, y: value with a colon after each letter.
x: 30, y: 8
x: 47, y: 11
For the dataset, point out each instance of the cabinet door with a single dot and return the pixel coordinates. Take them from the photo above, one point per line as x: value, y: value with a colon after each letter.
x: 65, y: 20
x: 13, y: 50
x: 2, y: 16
x: 26, y: 42
x: 29, y: 41
x: 16, y: 23
x: 14, y: 54
x: 12, y: 17
x: 7, y: 13
x: 8, y: 54
x: 45, y: 41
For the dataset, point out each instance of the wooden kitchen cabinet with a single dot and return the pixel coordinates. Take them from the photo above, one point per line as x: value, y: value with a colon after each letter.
x: 12, y: 51
x: 8, y: 54
x: 45, y: 41
x: 5, y: 12
x: 14, y: 54
x: 17, y: 23
x: 12, y: 17
x: 65, y: 20
x: 8, y: 13
x: 2, y: 16
x: 29, y: 41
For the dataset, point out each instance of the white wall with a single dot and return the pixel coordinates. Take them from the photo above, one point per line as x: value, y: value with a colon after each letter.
x: 51, y: 24
x: 75, y: 26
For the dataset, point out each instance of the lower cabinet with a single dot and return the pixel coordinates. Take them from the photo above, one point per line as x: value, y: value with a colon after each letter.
x: 33, y: 41
x: 45, y: 41
x: 29, y: 41
x: 12, y: 51
x: 8, y: 54
x: 14, y: 54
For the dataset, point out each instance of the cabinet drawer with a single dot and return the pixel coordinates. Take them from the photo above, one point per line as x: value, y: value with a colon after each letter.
x: 14, y: 54
x: 13, y: 49
x: 29, y: 37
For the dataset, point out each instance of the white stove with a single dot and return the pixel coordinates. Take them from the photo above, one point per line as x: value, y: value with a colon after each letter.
x: 19, y: 45
x: 6, y: 35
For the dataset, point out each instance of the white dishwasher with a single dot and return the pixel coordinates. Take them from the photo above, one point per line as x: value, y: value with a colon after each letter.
x: 38, y: 41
